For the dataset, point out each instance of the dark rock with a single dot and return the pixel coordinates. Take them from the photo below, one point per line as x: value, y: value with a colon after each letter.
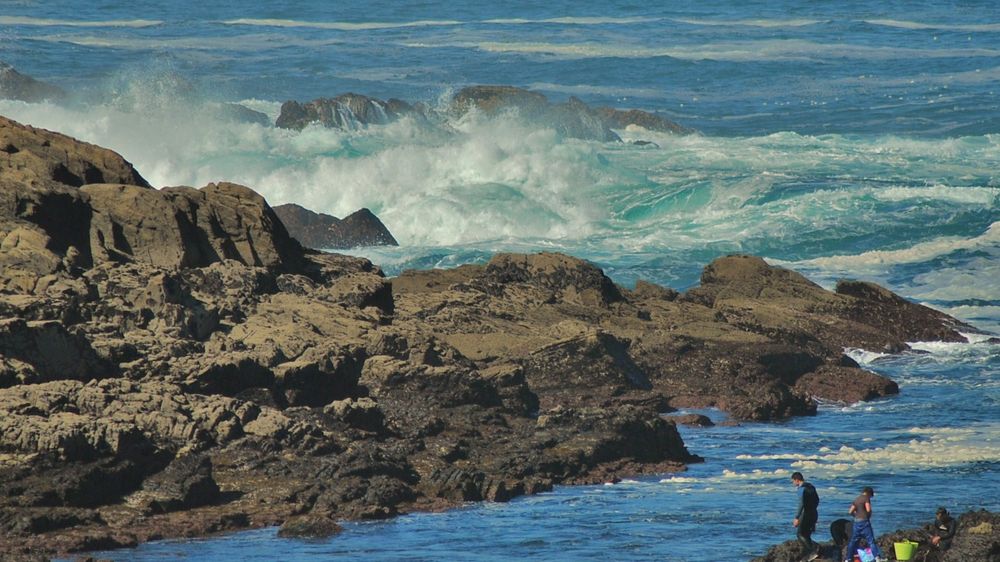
x: 695, y: 420
x: 846, y: 384
x: 184, y: 484
x: 584, y: 370
x: 977, y: 537
x: 47, y: 352
x: 898, y: 317
x: 310, y: 526
x: 229, y: 378
x: 321, y: 231
x: 621, y: 119
x: 569, y: 279
x: 346, y: 111
x: 17, y: 86
x: 572, y: 119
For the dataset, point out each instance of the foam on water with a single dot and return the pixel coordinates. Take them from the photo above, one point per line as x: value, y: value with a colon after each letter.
x: 46, y: 22
x: 903, y: 24
x: 783, y: 50
x: 831, y: 145
x: 339, y: 26
x: 768, y: 23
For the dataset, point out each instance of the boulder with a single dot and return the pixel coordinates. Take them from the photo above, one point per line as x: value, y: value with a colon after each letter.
x: 571, y: 119
x: 847, y: 385
x: 347, y: 111
x: 29, y: 155
x: 322, y: 231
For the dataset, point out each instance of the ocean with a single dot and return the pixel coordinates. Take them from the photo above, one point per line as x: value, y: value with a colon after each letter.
x: 843, y: 140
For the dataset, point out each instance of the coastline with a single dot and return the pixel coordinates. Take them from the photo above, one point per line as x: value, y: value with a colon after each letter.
x: 211, y: 379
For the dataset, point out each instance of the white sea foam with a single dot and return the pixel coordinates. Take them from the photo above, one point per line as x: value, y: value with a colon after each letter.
x: 903, y: 24
x: 574, y: 20
x: 936, y: 447
x: 45, y: 22
x: 862, y: 356
x: 801, y: 22
x: 250, y: 43
x: 738, y: 51
x: 917, y: 253
x: 340, y: 26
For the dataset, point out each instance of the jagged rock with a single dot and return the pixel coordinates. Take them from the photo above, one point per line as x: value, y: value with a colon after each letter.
x: 569, y: 279
x: 346, y: 111
x: 321, y: 231
x: 572, y: 119
x: 17, y: 86
x: 845, y: 384
x: 185, y: 483
x: 42, y: 351
x: 196, y: 227
x: 622, y: 119
x: 215, y: 354
x: 33, y: 155
x: 583, y: 370
x: 243, y: 114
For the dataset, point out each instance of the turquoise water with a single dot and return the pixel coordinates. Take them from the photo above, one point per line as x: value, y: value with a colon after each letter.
x: 857, y: 140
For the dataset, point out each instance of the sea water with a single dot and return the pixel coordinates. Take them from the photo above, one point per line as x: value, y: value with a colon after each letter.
x: 844, y: 140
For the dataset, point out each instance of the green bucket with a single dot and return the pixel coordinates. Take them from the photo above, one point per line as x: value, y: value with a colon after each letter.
x: 905, y: 550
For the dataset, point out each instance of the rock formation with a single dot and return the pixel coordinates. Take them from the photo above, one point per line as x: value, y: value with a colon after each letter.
x: 17, y: 86
x: 173, y: 363
x: 572, y: 118
x: 322, y: 231
x: 977, y: 537
x: 346, y: 111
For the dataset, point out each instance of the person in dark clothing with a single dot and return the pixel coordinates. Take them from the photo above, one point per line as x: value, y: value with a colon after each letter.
x: 944, y: 529
x: 807, y: 515
x: 861, y: 509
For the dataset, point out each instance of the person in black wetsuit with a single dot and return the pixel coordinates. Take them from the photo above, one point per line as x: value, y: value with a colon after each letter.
x: 807, y: 515
x: 944, y: 529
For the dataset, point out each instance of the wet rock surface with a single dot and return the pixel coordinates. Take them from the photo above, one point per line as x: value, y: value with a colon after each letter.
x: 977, y: 537
x: 174, y: 364
x: 572, y: 118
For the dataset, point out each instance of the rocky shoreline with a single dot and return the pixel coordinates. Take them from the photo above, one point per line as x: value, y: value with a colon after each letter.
x: 173, y: 363
x: 977, y: 537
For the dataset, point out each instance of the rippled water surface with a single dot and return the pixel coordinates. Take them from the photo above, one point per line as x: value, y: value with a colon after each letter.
x: 849, y: 139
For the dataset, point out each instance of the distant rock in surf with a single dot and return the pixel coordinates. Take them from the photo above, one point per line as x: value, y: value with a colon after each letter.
x: 243, y: 114
x: 572, y: 118
x: 347, y: 111
x: 17, y: 86
x: 322, y: 231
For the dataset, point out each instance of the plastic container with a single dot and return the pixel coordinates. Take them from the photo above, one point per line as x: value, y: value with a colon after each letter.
x: 905, y: 550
